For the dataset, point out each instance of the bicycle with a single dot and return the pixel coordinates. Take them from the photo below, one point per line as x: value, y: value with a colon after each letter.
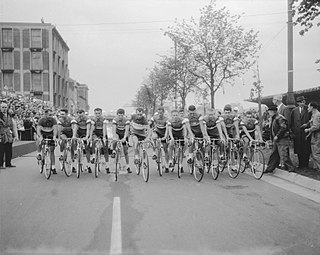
x: 143, y: 160
x: 255, y: 160
x: 196, y: 167
x: 177, y: 155
x: 232, y: 158
x: 214, y: 161
x: 79, y: 156
x: 159, y: 162
x: 119, y: 152
x: 97, y: 153
x: 45, y: 163
x: 67, y: 158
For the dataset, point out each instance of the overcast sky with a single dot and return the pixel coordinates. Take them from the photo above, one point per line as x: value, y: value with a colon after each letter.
x: 114, y: 43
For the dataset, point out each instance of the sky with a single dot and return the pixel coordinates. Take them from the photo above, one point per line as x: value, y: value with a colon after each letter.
x: 114, y: 43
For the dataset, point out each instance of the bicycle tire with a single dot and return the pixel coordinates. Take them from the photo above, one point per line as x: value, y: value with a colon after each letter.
x: 198, y: 170
x: 145, y: 166
x: 47, y: 165
x: 243, y: 165
x: 41, y: 164
x: 67, y: 162
x: 97, y: 163
x: 116, y: 172
x: 174, y: 157
x: 257, y: 164
x: 178, y: 161
x: 234, y: 163
x: 214, y: 168
x: 159, y: 160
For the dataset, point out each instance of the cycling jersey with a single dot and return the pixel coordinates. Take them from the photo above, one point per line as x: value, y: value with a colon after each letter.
x: 98, y: 123
x: 229, y: 120
x: 47, y: 123
x: 138, y: 125
x: 211, y: 125
x: 160, y: 124
x: 193, y: 119
x: 82, y: 123
x: 250, y: 124
x: 120, y: 124
x: 65, y: 123
x: 177, y: 124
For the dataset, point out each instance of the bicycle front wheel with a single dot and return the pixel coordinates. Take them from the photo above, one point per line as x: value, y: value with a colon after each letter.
x: 214, y: 164
x: 257, y: 164
x: 198, y: 170
x: 47, y: 165
x: 41, y: 165
x: 234, y: 163
x: 178, y: 158
x: 159, y: 161
x: 97, y: 164
x: 145, y: 166
x: 67, y: 162
x: 116, y: 172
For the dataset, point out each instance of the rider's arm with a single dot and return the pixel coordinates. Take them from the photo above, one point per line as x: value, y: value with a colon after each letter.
x: 220, y: 131
x: 259, y: 132
x: 224, y: 129
x: 74, y: 127
x: 114, y: 129
x: 169, y: 129
x: 236, y: 124
x: 105, y: 129
x: 247, y: 133
x: 203, y: 127
x: 55, y: 131
x: 188, y: 128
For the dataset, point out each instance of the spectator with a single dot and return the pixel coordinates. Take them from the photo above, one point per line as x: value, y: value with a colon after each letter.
x: 300, y: 116
x: 282, y: 108
x: 280, y: 138
x: 8, y: 132
x: 314, y: 132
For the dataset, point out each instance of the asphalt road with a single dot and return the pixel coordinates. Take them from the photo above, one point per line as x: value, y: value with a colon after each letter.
x: 167, y: 215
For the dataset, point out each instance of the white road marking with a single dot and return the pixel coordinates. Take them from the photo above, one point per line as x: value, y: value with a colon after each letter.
x: 116, y: 237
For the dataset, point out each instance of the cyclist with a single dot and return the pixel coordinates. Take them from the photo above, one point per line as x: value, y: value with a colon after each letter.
x: 250, y: 126
x: 192, y: 122
x: 159, y: 130
x: 99, y: 130
x: 47, y: 129
x: 81, y: 127
x: 120, y: 130
x: 211, y: 128
x: 65, y: 131
x: 140, y: 130
x: 230, y: 123
x: 176, y: 131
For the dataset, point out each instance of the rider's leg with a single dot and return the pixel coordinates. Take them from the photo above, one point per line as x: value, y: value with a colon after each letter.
x: 154, y: 145
x: 135, y: 148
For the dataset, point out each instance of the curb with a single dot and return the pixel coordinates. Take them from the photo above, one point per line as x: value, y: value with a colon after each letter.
x: 21, y: 148
x: 298, y: 179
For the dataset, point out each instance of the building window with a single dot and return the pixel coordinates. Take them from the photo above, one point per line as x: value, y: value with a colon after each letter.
x: 36, y: 82
x: 7, y: 57
x: 8, y: 82
x: 36, y: 61
x: 7, y: 38
x: 36, y: 41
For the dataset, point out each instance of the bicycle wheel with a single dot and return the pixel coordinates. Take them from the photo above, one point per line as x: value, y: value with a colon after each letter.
x: 47, y: 165
x: 243, y: 164
x: 234, y: 163
x: 138, y: 164
x: 178, y: 158
x: 67, y: 162
x: 116, y: 172
x: 257, y: 164
x: 198, y: 170
x: 159, y: 160
x: 145, y: 166
x: 97, y: 163
x: 214, y: 164
x: 41, y: 164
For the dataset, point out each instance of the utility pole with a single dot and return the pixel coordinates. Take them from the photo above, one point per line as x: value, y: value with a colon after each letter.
x: 290, y: 97
x: 175, y: 75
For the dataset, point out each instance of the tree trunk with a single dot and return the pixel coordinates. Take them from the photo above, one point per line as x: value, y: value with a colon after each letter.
x: 212, y: 92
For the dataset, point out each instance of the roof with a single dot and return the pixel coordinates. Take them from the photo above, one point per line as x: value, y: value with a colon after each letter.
x: 311, y: 94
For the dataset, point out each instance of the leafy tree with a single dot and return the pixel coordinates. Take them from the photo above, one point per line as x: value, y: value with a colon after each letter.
x: 220, y: 49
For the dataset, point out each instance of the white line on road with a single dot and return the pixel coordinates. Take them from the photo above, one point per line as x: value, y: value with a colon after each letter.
x: 116, y: 237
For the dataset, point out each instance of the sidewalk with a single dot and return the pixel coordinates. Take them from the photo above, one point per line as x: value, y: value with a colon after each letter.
x: 297, y: 179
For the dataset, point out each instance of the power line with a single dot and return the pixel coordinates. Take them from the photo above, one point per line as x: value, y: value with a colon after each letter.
x: 271, y: 40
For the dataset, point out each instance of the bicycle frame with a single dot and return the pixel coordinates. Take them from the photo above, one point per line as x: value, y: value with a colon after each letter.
x: 45, y: 163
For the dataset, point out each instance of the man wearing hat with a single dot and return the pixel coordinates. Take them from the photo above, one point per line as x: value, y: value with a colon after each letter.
x: 280, y: 138
x: 300, y: 116
x: 282, y: 108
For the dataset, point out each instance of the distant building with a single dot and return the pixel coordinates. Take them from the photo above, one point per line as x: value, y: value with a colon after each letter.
x: 82, y: 97
x: 34, y: 62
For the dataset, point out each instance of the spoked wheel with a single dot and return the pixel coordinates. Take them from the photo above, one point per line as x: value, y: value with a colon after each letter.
x: 257, y: 164
x: 145, y: 166
x: 198, y: 170
x: 138, y: 165
x: 234, y: 163
x: 47, y: 165
x: 116, y: 172
x: 243, y: 164
x: 159, y: 161
x: 214, y: 164
x: 178, y: 158
x: 97, y: 164
x: 67, y: 162
x: 79, y: 164
x: 41, y: 165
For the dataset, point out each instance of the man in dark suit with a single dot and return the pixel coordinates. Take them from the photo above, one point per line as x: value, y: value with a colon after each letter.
x: 280, y: 138
x: 300, y: 116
